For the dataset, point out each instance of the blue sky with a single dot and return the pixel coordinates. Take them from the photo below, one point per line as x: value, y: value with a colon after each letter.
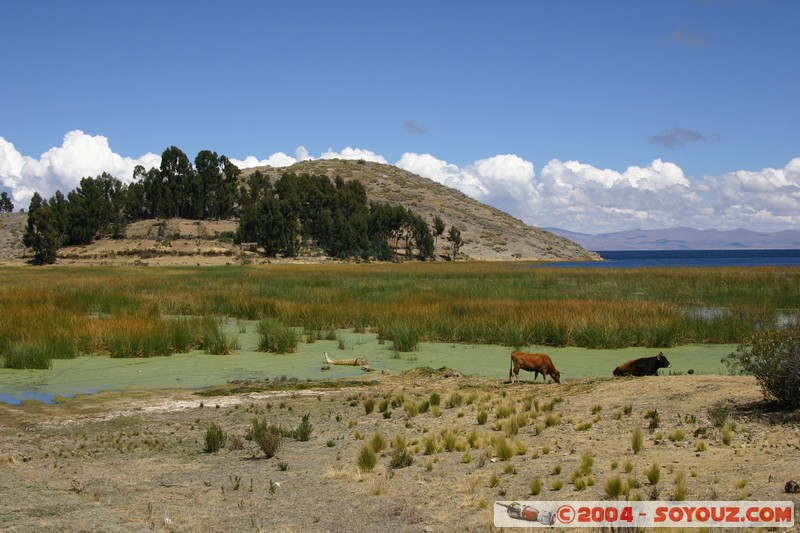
x: 587, y: 115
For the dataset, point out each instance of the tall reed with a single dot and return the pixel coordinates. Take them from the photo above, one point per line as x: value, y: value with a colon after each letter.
x: 495, y: 303
x: 275, y: 337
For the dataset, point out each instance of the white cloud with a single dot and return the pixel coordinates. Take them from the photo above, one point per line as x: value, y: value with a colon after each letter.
x: 353, y: 153
x: 759, y: 199
x: 447, y: 174
x: 61, y: 168
x: 277, y: 160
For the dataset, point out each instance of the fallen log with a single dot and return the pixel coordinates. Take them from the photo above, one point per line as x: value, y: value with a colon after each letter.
x: 358, y: 361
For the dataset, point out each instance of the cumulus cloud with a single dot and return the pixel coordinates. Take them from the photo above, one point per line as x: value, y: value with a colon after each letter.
x: 760, y: 199
x: 573, y: 195
x: 353, y: 153
x: 594, y: 200
x: 61, y: 168
x: 278, y: 159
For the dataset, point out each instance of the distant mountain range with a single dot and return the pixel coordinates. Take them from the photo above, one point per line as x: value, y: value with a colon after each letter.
x: 684, y: 239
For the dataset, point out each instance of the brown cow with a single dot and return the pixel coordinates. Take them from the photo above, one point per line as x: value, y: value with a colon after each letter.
x: 538, y: 363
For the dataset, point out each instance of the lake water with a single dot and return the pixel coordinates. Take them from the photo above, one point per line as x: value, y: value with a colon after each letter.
x: 688, y: 258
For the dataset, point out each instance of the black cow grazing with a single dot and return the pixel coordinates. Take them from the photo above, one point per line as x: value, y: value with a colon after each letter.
x: 646, y: 366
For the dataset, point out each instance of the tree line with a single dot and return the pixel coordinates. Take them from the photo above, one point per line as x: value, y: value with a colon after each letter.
x: 295, y: 213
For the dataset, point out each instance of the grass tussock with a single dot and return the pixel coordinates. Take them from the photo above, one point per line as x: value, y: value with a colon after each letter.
x: 274, y: 337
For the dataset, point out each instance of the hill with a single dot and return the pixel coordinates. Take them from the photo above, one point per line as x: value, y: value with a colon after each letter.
x: 488, y: 233
x: 681, y: 238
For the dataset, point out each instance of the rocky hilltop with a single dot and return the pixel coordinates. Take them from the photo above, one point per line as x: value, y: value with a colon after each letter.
x: 488, y: 233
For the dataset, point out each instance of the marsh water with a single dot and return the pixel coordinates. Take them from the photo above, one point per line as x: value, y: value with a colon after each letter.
x: 90, y: 374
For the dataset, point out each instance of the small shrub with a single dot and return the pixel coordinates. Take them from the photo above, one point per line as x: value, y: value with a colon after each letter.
x: 773, y: 357
x: 494, y: 481
x: 701, y: 446
x: 266, y: 436
x: 455, y: 400
x: 587, y: 462
x: 614, y: 487
x: 378, y: 486
x: 556, y: 485
x: 473, y: 439
x: 449, y: 439
x: 552, y: 420
x: 430, y: 444
x: 680, y: 491
x: 727, y: 435
x: 627, y: 409
x: 511, y: 426
x: 503, y: 449
x: 637, y: 440
x: 215, y: 438
x: 556, y: 470
x: 504, y: 411
x: 400, y: 458
x: 367, y: 459
x: 677, y: 435
x: 369, y: 405
x: 303, y: 431
x: 653, y: 474
x: 522, y: 447
x: 482, y: 417
x: 411, y: 408
x: 378, y: 442
x: 235, y: 442
x: 654, y: 418
x: 435, y: 398
x: 719, y: 415
x: 535, y: 486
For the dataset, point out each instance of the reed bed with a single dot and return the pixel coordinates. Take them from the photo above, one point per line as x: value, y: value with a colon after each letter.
x: 131, y: 311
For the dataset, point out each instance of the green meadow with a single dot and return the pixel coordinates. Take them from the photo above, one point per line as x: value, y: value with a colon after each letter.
x: 430, y: 314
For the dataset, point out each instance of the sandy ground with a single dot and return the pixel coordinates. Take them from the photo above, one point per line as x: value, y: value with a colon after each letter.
x: 134, y: 461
